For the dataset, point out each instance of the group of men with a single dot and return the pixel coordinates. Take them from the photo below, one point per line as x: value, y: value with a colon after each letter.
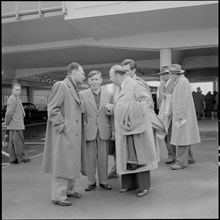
x: 82, y: 124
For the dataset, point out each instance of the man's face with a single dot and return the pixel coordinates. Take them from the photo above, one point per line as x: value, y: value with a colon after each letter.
x: 129, y: 72
x: 16, y: 91
x: 165, y: 76
x: 95, y: 81
x: 174, y: 76
x: 78, y: 75
x: 112, y: 76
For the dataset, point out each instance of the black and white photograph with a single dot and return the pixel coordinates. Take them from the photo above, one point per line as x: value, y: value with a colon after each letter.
x: 110, y: 110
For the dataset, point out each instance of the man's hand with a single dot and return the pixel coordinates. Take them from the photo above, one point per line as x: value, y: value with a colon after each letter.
x: 113, y: 136
x: 109, y: 108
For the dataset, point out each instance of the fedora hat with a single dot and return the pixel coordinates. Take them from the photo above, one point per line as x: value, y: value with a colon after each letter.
x: 176, y: 69
x: 164, y: 69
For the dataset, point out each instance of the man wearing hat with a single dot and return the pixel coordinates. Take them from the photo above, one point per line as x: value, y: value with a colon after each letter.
x: 166, y: 87
x: 185, y: 129
x: 199, y: 103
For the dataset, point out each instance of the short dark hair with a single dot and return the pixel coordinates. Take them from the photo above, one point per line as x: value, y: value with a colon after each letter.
x: 72, y: 66
x: 94, y: 72
x: 15, y: 84
x: 131, y: 63
x: 118, y: 69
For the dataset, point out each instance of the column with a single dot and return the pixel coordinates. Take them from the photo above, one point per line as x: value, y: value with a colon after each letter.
x: 165, y: 57
x: 30, y: 94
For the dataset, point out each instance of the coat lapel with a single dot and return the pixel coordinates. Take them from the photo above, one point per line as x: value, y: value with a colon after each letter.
x: 102, y: 99
x: 72, y: 90
x: 91, y: 99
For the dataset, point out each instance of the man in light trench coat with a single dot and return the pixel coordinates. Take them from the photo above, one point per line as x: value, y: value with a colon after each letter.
x: 165, y: 90
x: 185, y: 129
x: 134, y: 174
x: 62, y: 151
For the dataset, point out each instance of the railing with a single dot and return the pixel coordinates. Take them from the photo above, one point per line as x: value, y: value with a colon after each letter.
x: 17, y: 9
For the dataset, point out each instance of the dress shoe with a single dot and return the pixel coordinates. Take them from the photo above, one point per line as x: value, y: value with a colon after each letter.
x: 74, y: 194
x: 177, y: 167
x: 142, y: 193
x: 106, y: 186
x: 25, y: 160
x: 65, y: 202
x: 90, y: 187
x: 169, y: 160
x: 191, y: 161
x: 123, y: 190
x: 14, y: 162
x: 112, y: 175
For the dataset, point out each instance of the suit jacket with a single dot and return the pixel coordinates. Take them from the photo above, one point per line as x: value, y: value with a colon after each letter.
x: 62, y: 150
x: 144, y: 142
x: 97, y: 119
x: 14, y: 116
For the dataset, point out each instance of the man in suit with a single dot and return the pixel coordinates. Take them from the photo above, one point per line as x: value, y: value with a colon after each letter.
x: 131, y: 67
x: 166, y: 87
x: 185, y: 131
x: 137, y: 175
x: 14, y: 120
x: 98, y: 130
x: 62, y: 150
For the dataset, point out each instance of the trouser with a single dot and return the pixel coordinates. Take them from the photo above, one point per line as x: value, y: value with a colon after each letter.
x: 136, y: 180
x: 113, y: 170
x: 184, y: 154
x: 97, y: 152
x: 60, y: 187
x: 171, y: 149
x: 198, y: 115
x: 16, y: 145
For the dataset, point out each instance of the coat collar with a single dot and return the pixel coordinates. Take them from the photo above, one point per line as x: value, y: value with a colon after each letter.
x: 72, y: 90
x: 91, y: 99
x: 124, y: 90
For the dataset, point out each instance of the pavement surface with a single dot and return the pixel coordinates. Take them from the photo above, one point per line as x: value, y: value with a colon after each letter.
x: 187, y: 193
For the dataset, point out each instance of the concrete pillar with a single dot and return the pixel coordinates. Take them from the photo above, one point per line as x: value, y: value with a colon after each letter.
x: 165, y: 57
x: 30, y: 94
x: 215, y: 86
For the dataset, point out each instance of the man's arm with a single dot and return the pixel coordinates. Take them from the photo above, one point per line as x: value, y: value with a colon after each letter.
x: 148, y: 95
x: 54, y: 107
x: 11, y: 105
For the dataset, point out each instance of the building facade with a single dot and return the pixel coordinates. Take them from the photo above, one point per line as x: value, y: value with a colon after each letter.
x: 39, y: 39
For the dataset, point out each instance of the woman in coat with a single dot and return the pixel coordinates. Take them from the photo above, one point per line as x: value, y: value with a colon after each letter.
x: 185, y: 129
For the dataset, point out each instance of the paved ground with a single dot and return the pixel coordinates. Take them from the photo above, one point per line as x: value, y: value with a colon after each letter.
x: 188, y: 193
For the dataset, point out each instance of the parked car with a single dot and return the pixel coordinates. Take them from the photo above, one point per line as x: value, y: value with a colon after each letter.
x: 32, y: 113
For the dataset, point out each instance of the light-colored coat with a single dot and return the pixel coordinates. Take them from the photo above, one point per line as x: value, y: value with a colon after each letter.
x: 164, y: 89
x: 96, y: 119
x: 14, y: 116
x: 62, y: 150
x: 132, y: 91
x: 183, y: 108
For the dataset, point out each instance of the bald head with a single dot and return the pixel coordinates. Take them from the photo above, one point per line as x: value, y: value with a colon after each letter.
x: 118, y: 69
x: 117, y: 74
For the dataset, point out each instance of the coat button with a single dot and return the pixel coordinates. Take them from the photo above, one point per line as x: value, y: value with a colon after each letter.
x: 76, y: 121
x: 76, y: 134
